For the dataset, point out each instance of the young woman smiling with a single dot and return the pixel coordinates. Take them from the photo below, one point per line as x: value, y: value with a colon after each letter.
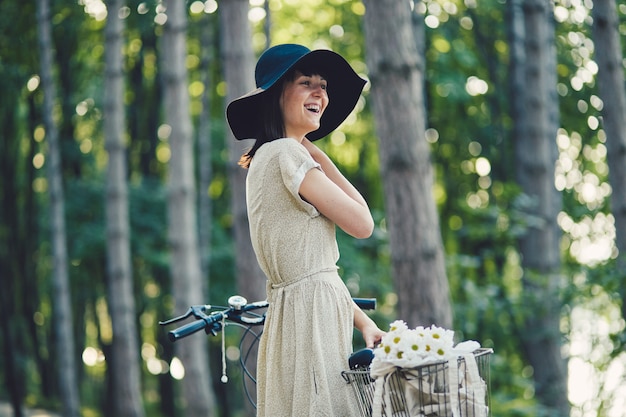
x: 296, y: 197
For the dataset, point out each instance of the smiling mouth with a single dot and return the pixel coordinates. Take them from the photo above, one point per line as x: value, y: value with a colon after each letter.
x: 314, y: 108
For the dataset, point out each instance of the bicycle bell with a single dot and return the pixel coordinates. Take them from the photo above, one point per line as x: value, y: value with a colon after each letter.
x: 237, y: 302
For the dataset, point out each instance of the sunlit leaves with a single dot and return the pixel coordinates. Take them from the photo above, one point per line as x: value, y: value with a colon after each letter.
x: 209, y: 6
x: 95, y: 8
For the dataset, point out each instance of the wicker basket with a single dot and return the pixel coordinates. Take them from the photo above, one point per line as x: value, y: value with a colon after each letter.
x: 424, y: 391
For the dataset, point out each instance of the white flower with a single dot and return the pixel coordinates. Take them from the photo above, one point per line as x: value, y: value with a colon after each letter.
x: 445, y: 336
x: 408, y: 348
x: 439, y: 350
x: 438, y: 342
x: 398, y: 326
x: 387, y: 349
x: 414, y: 347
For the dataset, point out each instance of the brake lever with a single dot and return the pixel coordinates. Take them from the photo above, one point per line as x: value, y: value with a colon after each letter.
x: 196, y: 311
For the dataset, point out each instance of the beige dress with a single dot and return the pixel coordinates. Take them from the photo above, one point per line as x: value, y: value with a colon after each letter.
x: 308, y: 331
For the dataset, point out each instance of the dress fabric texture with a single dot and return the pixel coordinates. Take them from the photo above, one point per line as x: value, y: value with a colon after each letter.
x: 308, y: 330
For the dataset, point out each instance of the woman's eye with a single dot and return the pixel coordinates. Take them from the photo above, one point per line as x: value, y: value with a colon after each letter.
x: 309, y: 83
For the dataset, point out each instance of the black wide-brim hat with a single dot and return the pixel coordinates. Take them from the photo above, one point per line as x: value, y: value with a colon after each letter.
x: 344, y: 89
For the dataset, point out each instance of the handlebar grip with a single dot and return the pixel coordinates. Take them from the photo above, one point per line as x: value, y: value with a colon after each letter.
x: 366, y: 303
x: 186, y: 330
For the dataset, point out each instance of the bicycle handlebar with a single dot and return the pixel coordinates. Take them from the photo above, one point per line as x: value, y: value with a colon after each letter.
x: 186, y: 330
x: 212, y: 323
x: 366, y: 303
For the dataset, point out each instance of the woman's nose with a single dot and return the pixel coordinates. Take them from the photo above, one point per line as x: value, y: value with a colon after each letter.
x: 319, y: 89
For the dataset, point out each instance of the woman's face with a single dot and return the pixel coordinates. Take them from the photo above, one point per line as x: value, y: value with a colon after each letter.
x: 303, y: 102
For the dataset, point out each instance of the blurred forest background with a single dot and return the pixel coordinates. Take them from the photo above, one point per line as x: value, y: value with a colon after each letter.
x: 490, y: 144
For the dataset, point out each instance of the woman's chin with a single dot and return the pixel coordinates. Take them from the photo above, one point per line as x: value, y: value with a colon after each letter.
x: 314, y: 127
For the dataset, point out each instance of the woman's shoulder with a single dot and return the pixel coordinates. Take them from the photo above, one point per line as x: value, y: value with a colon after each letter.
x: 284, y: 143
x: 285, y: 155
x: 282, y: 146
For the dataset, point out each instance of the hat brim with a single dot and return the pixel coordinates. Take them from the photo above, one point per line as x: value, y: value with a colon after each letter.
x: 344, y: 90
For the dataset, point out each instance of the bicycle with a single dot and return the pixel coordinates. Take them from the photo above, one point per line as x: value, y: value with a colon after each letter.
x: 249, y: 316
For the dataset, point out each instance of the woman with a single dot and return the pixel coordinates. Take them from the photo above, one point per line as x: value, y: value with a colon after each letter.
x: 295, y: 197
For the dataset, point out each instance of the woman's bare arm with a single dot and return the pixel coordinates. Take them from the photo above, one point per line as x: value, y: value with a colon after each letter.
x: 335, y: 197
x: 372, y: 335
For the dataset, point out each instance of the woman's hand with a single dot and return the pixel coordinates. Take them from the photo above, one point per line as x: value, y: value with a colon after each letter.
x: 316, y: 153
x: 372, y: 336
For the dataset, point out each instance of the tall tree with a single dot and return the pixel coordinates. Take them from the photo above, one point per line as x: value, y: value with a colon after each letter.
x: 181, y: 203
x: 205, y: 176
x: 64, y: 337
x: 608, y: 51
x: 125, y: 361
x: 238, y: 69
x: 144, y: 102
x: 396, y: 70
x: 16, y: 237
x: 536, y: 154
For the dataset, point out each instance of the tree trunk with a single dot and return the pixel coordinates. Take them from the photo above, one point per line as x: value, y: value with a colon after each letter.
x: 125, y: 362
x: 610, y: 78
x: 13, y: 369
x: 62, y: 305
x: 16, y: 242
x: 517, y: 62
x: 143, y: 109
x: 205, y: 205
x: 536, y: 154
x: 238, y: 67
x: 182, y: 223
x: 396, y: 71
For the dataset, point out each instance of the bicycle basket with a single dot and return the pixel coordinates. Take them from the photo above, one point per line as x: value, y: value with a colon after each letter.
x: 425, y: 391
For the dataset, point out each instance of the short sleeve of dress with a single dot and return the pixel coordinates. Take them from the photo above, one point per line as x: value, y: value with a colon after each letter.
x: 295, y: 162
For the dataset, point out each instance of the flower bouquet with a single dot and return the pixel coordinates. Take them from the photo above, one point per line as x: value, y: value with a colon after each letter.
x: 406, y: 348
x: 421, y: 372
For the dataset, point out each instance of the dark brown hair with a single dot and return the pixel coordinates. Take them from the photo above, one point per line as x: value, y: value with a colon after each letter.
x: 273, y: 126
